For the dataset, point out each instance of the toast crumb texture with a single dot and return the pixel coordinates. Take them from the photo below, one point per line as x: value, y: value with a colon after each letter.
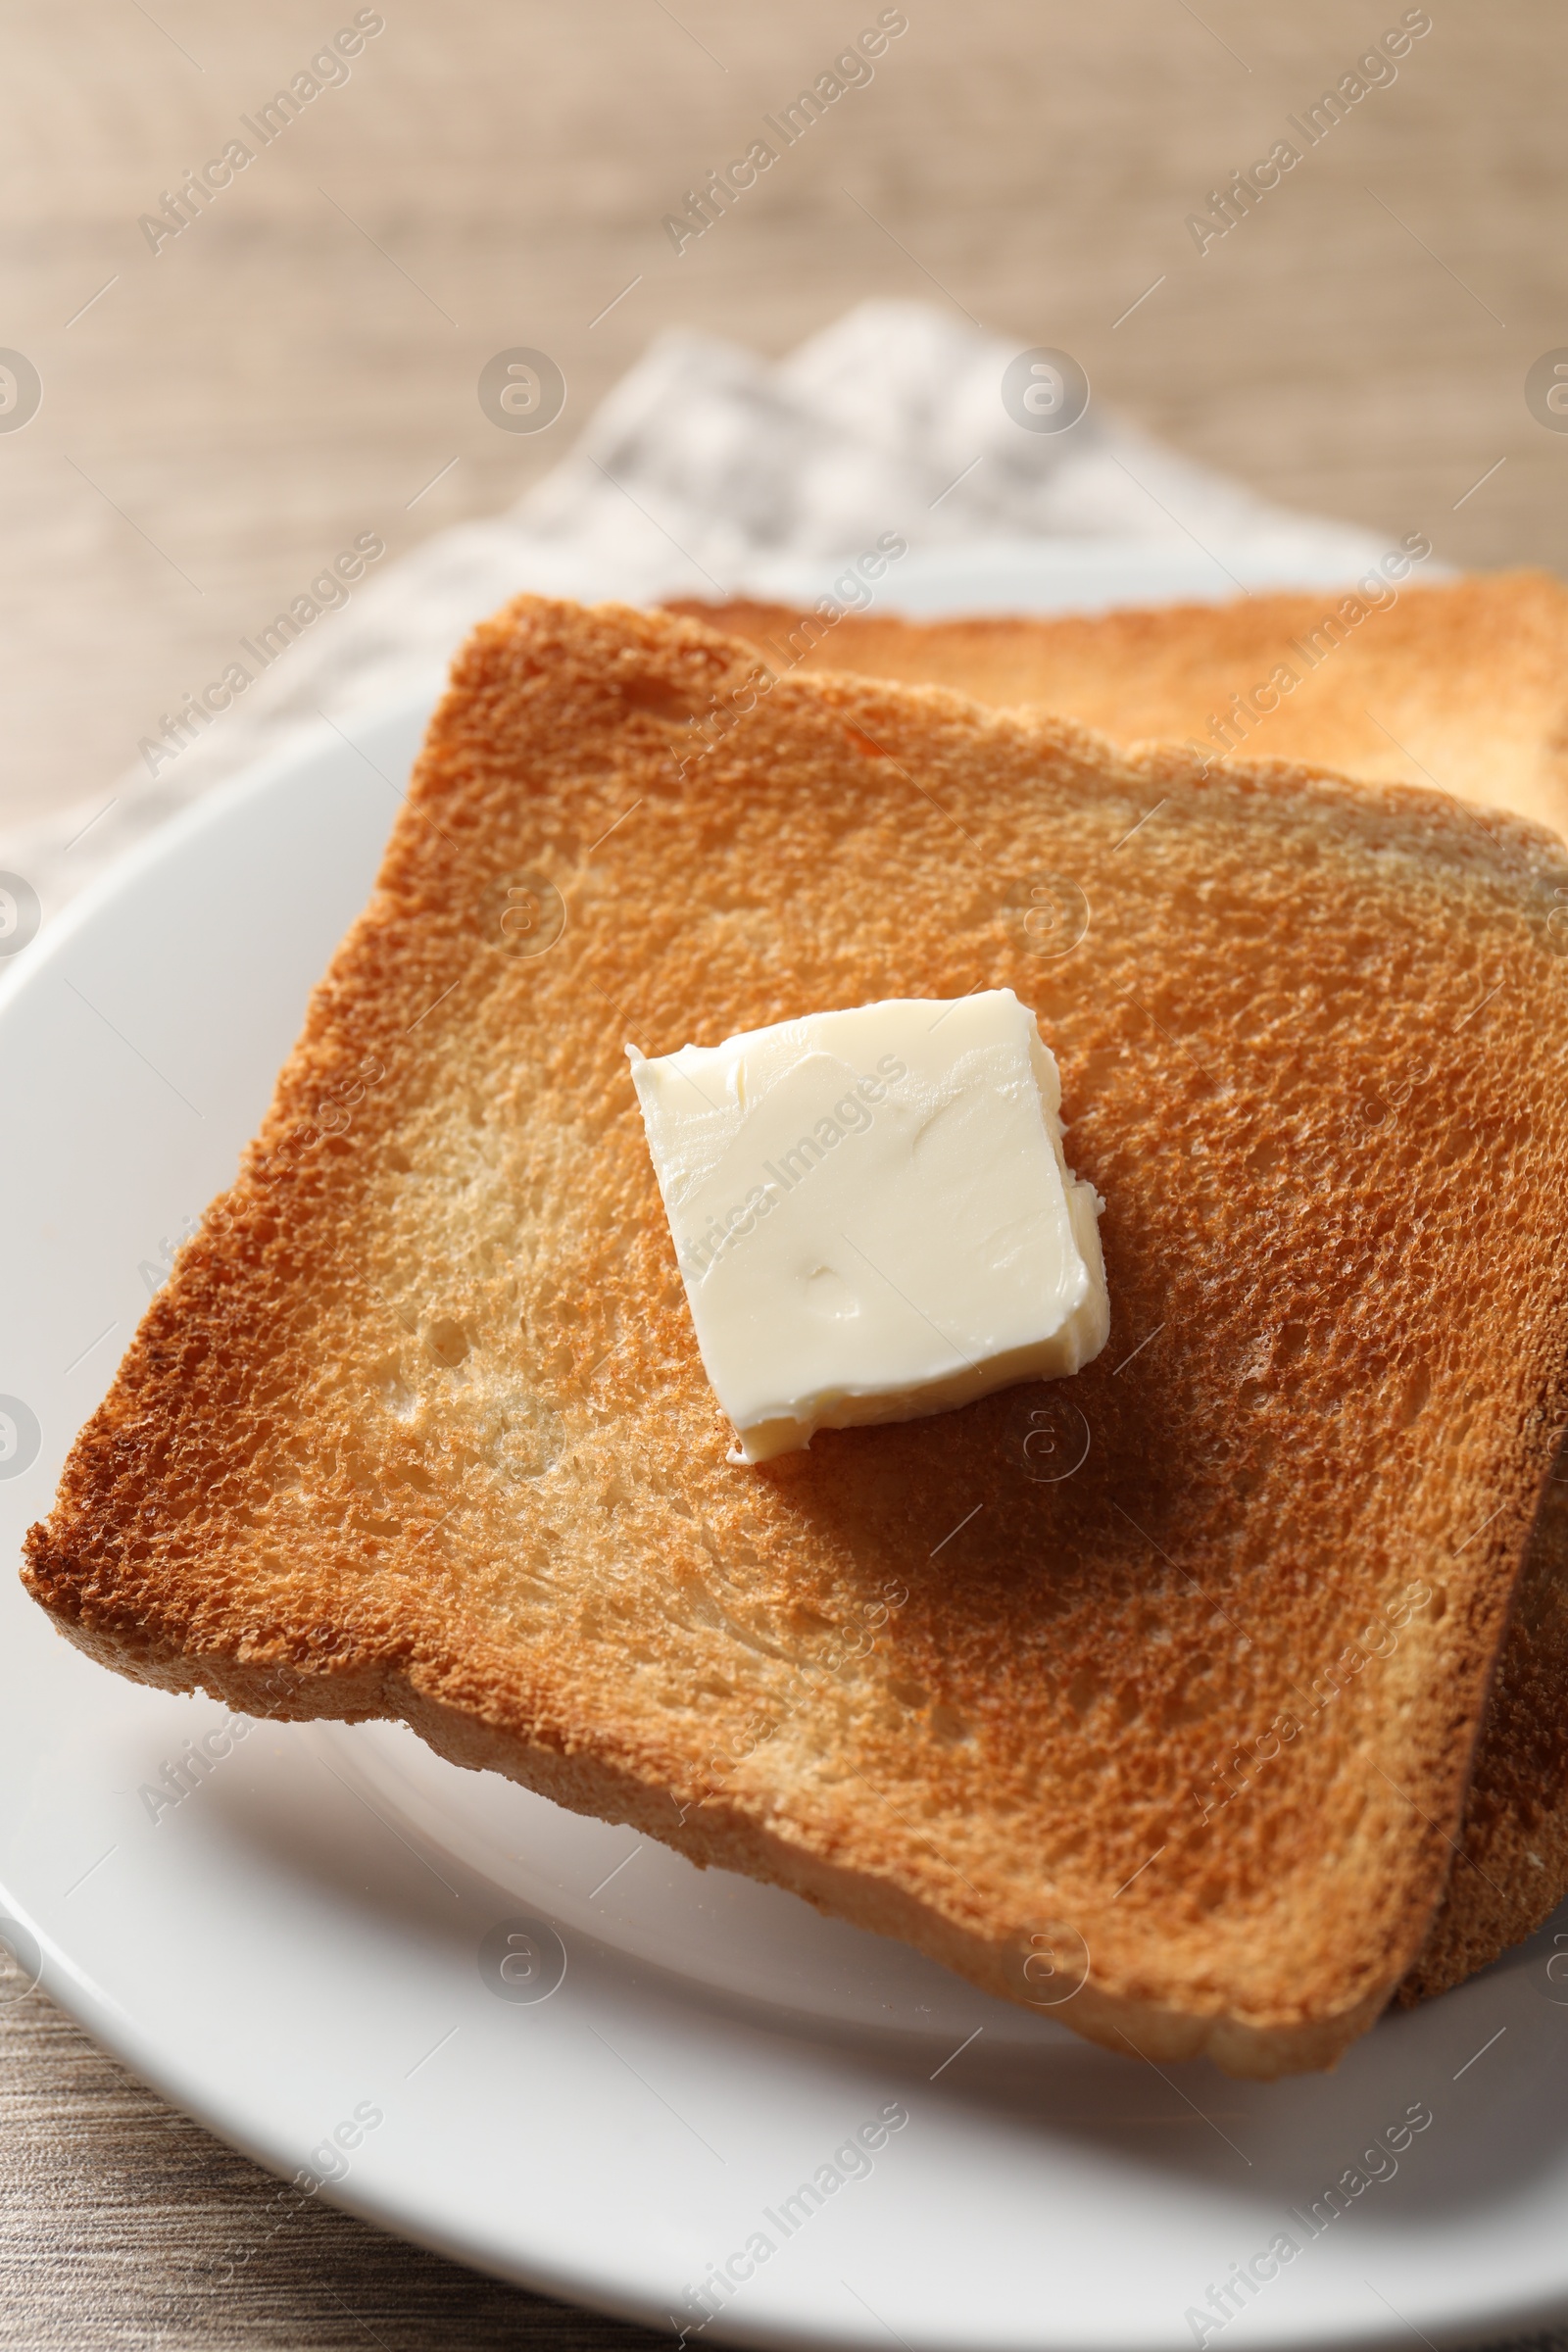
x: 1165, y: 1679
x: 1511, y: 1871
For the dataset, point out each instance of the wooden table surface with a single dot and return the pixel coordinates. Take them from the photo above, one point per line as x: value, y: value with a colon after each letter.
x: 219, y: 417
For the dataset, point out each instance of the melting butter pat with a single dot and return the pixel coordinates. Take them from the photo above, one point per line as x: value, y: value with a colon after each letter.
x: 873, y: 1214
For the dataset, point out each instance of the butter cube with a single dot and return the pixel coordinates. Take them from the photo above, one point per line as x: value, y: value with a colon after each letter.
x: 873, y: 1214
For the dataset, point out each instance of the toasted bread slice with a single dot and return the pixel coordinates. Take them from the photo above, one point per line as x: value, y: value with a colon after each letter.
x: 1174, y: 1742
x: 1462, y: 685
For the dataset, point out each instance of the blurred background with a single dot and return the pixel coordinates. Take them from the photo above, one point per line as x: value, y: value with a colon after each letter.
x: 300, y: 365
x: 219, y: 415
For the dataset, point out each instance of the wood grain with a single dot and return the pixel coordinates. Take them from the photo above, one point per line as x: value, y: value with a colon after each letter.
x: 229, y: 411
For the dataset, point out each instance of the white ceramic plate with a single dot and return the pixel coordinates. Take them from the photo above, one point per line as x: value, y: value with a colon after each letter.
x: 332, y: 1950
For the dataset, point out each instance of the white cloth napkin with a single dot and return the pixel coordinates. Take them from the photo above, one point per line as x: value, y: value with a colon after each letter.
x: 709, y: 470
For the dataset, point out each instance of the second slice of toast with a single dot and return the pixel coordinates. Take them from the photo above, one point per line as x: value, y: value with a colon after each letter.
x: 1461, y: 685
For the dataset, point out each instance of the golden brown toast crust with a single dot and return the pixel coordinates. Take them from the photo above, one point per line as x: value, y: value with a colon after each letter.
x: 418, y: 1427
x: 1461, y: 684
